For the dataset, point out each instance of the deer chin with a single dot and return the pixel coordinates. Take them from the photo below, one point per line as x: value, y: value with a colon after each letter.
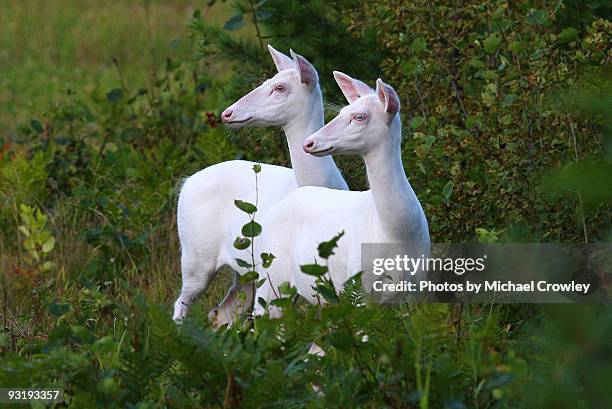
x: 322, y: 152
x: 239, y: 123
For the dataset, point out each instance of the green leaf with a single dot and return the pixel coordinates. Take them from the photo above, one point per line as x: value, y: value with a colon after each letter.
x: 245, y: 206
x: 328, y: 293
x: 429, y: 140
x: 107, y: 386
x: 251, y: 229
x: 515, y: 46
x: 104, y: 345
x: 416, y: 122
x: 314, y: 269
x: 326, y: 248
x: 592, y: 179
x: 341, y: 339
x: 567, y: 34
x: 114, y: 95
x: 132, y: 173
x: 476, y: 63
x: 286, y: 289
x: 491, y: 43
x: 234, y: 23
x: 509, y: 99
x: 447, y: 191
x: 505, y: 119
x: 498, y: 13
x: 58, y: 310
x: 537, y: 17
x: 48, y: 245
x: 242, y: 243
x: 262, y: 302
x: 504, y: 63
x: 267, y: 259
x: 262, y: 15
x: 488, y: 236
x: 413, y: 66
x: 257, y: 168
x: 248, y: 277
x: 37, y: 126
x: 418, y: 45
x: 4, y: 339
x: 282, y: 302
x: 243, y: 264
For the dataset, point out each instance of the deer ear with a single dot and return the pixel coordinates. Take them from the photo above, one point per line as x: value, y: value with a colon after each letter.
x: 308, y: 73
x: 281, y: 61
x: 388, y: 97
x: 350, y: 87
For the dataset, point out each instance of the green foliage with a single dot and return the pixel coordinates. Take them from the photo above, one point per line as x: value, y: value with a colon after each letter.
x: 23, y: 179
x: 565, y: 371
x: 326, y: 249
x: 245, y: 206
x: 374, y: 356
x: 476, y: 82
x: 315, y: 270
x: 250, y: 231
x: 38, y: 240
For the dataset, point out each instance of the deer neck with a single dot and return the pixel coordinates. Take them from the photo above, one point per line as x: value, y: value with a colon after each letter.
x: 310, y: 170
x: 397, y: 207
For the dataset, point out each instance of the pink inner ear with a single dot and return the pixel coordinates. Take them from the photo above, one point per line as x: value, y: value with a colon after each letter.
x: 388, y: 97
x: 362, y: 88
x: 308, y: 74
x: 281, y: 61
x: 393, y: 105
x: 348, y: 88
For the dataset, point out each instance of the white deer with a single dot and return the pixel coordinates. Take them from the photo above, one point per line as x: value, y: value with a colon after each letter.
x: 387, y: 213
x: 207, y: 219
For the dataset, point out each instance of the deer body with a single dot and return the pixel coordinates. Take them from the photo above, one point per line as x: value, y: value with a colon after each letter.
x: 208, y: 222
x: 387, y: 213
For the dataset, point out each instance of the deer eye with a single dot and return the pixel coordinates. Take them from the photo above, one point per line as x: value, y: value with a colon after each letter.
x: 359, y: 117
x: 280, y: 88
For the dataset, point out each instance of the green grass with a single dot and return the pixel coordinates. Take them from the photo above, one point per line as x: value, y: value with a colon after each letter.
x: 46, y: 49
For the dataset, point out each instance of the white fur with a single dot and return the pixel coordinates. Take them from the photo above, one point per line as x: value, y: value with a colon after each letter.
x: 387, y: 213
x: 208, y: 222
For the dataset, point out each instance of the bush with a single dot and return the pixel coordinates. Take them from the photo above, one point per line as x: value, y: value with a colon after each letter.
x: 477, y: 82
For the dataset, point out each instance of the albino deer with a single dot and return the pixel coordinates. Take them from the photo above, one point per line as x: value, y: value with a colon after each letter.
x: 207, y: 219
x: 387, y: 213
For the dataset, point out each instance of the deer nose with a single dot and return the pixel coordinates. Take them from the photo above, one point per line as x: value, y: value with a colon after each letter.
x: 227, y: 115
x: 309, y: 145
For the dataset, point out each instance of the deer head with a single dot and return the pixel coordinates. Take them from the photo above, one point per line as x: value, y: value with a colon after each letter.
x: 362, y: 125
x: 279, y: 99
